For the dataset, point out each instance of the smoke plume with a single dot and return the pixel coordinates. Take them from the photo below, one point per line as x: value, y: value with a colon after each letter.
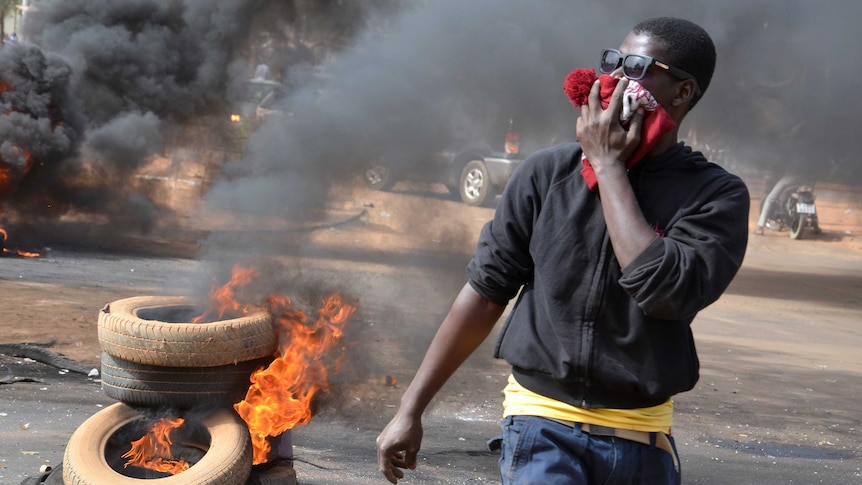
x: 117, y: 80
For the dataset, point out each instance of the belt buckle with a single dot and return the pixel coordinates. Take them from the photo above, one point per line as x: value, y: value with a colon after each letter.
x: 602, y: 430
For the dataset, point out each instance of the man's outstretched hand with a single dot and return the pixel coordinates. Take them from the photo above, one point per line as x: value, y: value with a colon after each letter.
x: 398, y: 445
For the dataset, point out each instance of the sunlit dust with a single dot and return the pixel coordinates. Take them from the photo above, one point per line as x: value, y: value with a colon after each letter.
x: 153, y: 450
x: 280, y: 395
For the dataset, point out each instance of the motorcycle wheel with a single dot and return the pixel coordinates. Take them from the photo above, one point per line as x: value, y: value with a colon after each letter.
x: 773, y: 222
x: 796, y: 226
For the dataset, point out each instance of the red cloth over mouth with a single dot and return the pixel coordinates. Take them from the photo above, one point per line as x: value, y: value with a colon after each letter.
x: 656, y: 122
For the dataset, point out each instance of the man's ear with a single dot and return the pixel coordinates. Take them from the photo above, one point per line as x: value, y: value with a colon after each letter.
x: 685, y: 93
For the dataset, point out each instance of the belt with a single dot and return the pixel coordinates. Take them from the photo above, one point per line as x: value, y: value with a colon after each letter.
x: 660, y: 440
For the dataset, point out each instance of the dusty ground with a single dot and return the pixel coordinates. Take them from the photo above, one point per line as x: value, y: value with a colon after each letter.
x: 781, y: 371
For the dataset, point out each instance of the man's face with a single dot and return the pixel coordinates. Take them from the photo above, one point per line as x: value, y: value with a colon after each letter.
x: 661, y: 84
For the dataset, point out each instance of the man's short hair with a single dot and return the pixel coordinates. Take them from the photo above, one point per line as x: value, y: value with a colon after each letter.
x: 689, y: 47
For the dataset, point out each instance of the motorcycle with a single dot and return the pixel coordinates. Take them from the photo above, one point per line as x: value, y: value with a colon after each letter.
x: 795, y: 210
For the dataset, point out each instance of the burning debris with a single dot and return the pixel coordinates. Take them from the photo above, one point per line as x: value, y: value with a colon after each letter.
x: 16, y: 252
x: 280, y: 396
x: 153, y: 450
x: 277, y: 391
x: 40, y: 124
x: 309, y: 352
x: 91, y: 94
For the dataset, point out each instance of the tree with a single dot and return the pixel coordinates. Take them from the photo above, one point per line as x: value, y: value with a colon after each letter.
x: 7, y: 7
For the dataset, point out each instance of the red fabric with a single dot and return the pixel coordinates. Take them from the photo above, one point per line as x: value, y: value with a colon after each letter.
x: 656, y: 123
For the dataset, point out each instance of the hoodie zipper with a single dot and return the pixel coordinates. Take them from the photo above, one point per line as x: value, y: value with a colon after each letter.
x: 597, y: 287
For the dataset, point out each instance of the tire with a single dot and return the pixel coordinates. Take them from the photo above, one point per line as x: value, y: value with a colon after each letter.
x: 475, y: 187
x: 226, y: 461
x: 378, y: 176
x: 126, y: 331
x: 797, y: 223
x: 773, y: 223
x: 815, y: 225
x: 177, y: 387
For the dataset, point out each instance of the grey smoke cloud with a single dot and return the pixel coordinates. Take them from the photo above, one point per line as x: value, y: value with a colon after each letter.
x: 777, y: 88
x: 126, y: 139
x: 39, y: 119
x: 167, y: 57
x: 781, y: 93
x: 127, y: 73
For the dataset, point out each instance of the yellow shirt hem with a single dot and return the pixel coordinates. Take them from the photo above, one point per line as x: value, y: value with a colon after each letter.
x: 520, y: 401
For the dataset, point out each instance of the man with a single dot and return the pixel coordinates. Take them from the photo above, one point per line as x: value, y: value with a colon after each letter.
x: 609, y: 280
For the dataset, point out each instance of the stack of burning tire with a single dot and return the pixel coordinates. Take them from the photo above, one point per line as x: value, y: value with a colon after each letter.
x: 155, y: 362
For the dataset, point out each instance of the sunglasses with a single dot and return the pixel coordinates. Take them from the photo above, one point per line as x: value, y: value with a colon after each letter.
x: 635, y: 66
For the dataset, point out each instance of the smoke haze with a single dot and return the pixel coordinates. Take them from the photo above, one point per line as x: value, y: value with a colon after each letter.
x: 101, y: 87
x: 138, y: 69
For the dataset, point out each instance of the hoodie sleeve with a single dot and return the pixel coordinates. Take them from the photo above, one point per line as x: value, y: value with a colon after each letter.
x: 690, y: 267
x: 502, y: 261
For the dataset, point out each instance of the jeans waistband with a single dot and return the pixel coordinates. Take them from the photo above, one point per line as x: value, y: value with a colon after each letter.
x: 659, y: 440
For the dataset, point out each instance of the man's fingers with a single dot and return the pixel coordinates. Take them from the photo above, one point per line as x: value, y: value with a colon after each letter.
x: 391, y: 463
x: 616, y: 102
x: 398, y: 460
x: 392, y: 474
x: 410, y: 459
x: 594, y: 101
x: 635, y: 124
x: 390, y: 467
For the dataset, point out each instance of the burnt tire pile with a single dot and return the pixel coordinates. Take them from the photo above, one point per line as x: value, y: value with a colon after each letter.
x: 153, y: 358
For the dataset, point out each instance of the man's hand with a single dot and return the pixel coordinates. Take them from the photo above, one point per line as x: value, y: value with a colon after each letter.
x: 606, y: 142
x: 398, y: 445
x: 468, y: 323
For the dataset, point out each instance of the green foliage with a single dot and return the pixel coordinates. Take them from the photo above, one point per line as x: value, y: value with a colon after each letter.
x: 7, y: 7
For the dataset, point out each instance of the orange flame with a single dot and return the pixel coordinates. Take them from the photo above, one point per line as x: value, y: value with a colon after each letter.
x: 223, y: 298
x: 10, y: 175
x: 280, y: 395
x: 19, y: 252
x: 5, y: 181
x: 153, y: 450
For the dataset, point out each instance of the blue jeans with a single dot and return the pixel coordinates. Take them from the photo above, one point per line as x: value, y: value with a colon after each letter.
x: 544, y: 452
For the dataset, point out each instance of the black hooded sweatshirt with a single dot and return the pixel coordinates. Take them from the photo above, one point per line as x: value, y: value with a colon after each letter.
x: 583, y: 330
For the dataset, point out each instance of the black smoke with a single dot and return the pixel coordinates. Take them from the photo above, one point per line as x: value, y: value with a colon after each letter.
x: 120, y: 78
x: 40, y: 121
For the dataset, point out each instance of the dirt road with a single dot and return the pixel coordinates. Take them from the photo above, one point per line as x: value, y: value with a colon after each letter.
x: 780, y: 363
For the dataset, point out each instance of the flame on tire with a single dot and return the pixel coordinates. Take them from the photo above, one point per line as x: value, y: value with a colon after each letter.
x: 309, y: 352
x: 153, y: 450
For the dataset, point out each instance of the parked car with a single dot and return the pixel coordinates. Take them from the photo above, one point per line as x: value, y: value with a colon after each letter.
x: 474, y: 168
x: 270, y: 104
x: 246, y: 102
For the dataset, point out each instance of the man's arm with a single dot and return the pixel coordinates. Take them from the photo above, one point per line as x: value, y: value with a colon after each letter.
x: 468, y: 323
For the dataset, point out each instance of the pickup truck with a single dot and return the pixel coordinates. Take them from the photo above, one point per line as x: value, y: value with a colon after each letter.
x: 473, y: 170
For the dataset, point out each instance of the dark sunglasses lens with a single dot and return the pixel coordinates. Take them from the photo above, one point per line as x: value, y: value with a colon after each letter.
x: 610, y: 61
x: 634, y: 66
